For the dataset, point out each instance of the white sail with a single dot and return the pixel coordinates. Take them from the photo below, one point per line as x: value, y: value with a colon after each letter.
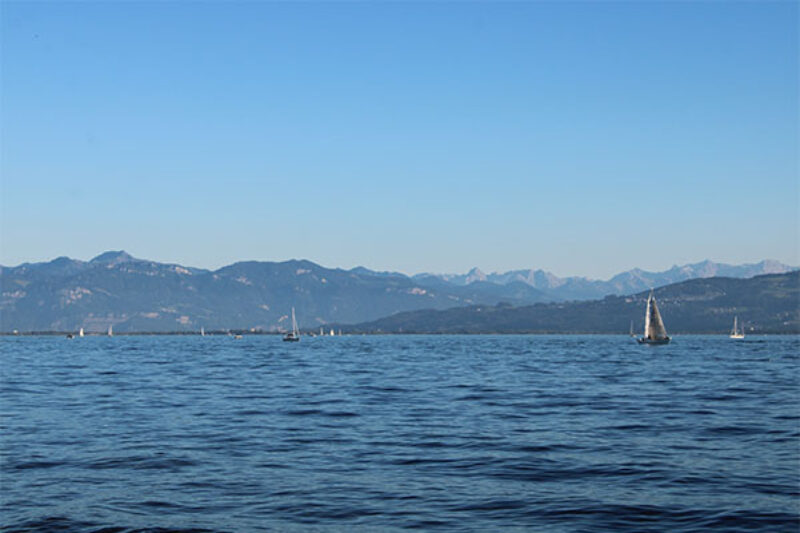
x: 110, y: 330
x: 294, y: 335
x: 80, y: 333
x: 654, y: 330
x: 654, y: 325
x: 202, y: 332
x: 736, y: 332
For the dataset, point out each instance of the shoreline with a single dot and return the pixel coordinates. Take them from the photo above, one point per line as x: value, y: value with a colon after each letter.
x: 234, y: 333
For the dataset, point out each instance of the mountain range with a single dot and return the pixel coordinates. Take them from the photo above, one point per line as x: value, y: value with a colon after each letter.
x: 763, y: 304
x: 628, y: 282
x: 133, y: 294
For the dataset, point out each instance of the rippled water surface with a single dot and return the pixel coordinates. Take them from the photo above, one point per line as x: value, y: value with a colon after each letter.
x: 472, y: 433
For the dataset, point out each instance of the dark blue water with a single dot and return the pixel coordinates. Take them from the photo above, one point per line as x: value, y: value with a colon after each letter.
x: 471, y: 433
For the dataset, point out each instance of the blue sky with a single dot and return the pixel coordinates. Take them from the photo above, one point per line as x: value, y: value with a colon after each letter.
x: 582, y: 138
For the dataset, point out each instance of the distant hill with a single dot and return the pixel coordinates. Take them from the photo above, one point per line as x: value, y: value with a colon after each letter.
x: 134, y: 294
x: 764, y: 304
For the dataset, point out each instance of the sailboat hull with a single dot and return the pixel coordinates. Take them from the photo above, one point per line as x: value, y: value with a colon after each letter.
x: 653, y: 341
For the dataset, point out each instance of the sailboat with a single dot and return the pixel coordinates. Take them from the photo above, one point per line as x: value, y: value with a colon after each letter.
x: 110, y: 330
x: 80, y: 333
x: 294, y: 335
x: 632, y: 334
x: 202, y: 331
x: 654, y: 330
x: 737, y: 333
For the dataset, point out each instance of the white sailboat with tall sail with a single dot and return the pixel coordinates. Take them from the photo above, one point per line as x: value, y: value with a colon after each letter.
x: 110, y: 330
x: 736, y: 332
x: 80, y: 332
x: 294, y: 335
x: 654, y: 330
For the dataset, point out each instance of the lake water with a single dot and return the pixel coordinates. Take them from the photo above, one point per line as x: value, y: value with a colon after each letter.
x: 469, y: 433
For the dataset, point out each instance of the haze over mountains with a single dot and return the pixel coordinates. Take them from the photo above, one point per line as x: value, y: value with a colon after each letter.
x: 139, y: 295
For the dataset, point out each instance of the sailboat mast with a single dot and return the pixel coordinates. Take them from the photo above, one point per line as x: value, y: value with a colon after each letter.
x: 647, y: 316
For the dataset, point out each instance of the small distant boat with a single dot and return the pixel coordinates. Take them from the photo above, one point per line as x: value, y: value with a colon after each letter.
x: 110, y: 330
x: 294, y: 335
x: 737, y: 333
x: 632, y: 334
x: 70, y: 336
x: 332, y: 333
x: 80, y: 332
x: 654, y: 330
x: 202, y: 332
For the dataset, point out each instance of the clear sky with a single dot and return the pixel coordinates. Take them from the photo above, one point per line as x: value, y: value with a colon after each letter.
x: 582, y: 138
